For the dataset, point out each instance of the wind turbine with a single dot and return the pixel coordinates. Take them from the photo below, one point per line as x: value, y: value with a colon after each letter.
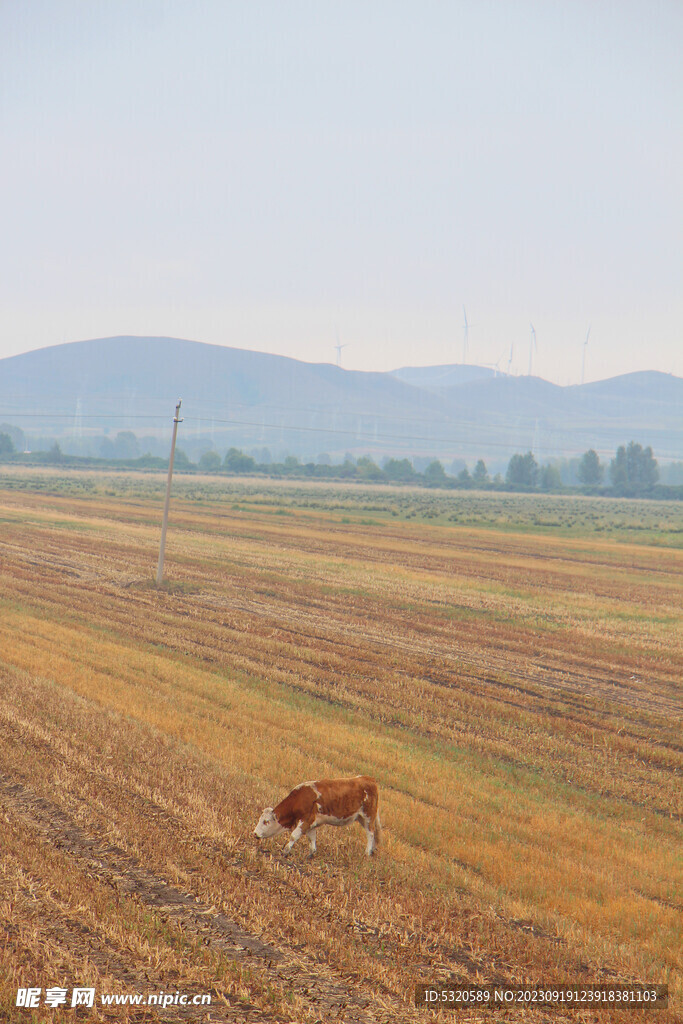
x: 583, y: 360
x: 338, y: 347
x: 466, y: 337
x: 512, y: 349
x: 493, y: 366
x: 533, y: 347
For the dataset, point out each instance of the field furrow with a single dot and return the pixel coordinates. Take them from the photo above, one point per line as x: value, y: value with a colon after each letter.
x: 517, y: 695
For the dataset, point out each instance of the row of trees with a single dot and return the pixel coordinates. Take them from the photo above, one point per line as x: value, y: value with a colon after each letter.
x: 632, y: 472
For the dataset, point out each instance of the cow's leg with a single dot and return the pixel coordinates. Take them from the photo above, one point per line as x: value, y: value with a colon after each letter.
x: 296, y: 835
x: 311, y: 840
x: 371, y: 844
x: 373, y: 825
x: 301, y: 829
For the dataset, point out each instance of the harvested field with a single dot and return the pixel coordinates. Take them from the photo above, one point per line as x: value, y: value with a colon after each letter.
x: 508, y: 668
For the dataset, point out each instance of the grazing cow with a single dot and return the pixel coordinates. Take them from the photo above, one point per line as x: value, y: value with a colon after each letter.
x: 326, y: 802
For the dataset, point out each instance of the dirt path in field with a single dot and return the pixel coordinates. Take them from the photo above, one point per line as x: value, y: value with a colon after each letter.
x: 108, y: 864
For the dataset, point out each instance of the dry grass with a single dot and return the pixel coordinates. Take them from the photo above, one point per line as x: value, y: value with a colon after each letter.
x: 516, y: 694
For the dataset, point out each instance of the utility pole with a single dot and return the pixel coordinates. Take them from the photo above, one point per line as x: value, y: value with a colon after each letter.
x: 162, y: 545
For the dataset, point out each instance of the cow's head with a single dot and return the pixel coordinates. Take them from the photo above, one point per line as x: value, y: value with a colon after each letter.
x: 268, y: 825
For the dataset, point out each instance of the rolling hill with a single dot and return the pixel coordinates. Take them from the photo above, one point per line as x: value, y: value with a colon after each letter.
x: 79, y: 391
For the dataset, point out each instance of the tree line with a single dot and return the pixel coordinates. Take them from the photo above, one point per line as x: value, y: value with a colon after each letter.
x: 633, y: 472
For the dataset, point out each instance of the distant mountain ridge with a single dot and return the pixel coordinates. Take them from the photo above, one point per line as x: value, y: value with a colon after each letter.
x: 249, y: 399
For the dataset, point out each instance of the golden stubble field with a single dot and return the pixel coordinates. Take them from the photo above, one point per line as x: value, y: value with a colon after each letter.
x: 508, y: 670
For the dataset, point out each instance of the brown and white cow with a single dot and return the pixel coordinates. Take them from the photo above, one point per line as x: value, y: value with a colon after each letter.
x: 325, y: 802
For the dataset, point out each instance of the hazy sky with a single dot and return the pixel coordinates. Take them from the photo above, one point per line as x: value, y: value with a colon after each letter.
x: 267, y: 174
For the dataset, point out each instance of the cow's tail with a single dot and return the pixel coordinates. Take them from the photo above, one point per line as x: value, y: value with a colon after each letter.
x: 377, y: 829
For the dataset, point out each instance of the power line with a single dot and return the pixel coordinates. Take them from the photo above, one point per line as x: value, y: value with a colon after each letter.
x: 583, y: 436
x: 391, y: 437
x: 87, y: 416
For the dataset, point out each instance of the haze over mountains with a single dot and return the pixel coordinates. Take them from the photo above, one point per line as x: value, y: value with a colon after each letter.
x: 248, y: 399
